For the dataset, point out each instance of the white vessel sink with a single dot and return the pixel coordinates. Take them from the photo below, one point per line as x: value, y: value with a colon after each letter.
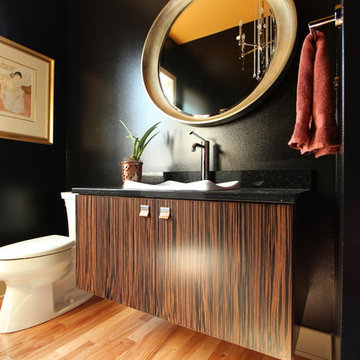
x: 203, y: 185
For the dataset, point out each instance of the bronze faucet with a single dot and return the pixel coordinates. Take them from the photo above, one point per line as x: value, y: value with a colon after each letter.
x: 205, y: 150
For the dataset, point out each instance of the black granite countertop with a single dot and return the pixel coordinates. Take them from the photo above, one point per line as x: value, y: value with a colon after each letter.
x: 274, y: 186
x: 262, y: 195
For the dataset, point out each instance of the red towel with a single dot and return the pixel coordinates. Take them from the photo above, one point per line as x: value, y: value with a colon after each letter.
x: 315, y: 129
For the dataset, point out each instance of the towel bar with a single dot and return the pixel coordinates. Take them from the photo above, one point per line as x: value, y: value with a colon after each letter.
x: 337, y: 18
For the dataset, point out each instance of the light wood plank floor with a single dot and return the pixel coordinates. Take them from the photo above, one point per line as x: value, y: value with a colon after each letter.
x: 101, y: 329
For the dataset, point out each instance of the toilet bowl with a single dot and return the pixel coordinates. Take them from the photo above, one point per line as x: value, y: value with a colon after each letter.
x: 40, y: 277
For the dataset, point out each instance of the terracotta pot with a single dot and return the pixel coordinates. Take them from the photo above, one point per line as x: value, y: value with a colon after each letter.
x: 131, y: 170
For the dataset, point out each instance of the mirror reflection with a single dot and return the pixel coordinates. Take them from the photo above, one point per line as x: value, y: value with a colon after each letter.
x: 215, y: 54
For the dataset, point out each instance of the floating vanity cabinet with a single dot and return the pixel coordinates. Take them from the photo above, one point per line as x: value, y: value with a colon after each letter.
x: 221, y: 268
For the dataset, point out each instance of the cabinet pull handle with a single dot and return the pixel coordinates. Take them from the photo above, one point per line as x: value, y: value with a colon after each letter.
x: 164, y: 213
x: 144, y: 210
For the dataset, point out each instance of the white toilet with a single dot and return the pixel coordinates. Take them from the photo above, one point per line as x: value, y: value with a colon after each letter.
x: 40, y: 277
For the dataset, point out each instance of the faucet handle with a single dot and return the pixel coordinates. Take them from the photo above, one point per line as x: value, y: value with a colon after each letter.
x: 194, y: 133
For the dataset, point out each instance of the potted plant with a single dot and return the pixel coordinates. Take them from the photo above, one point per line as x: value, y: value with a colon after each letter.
x: 131, y: 167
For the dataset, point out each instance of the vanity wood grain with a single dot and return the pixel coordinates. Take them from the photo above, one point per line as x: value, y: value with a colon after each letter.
x: 115, y: 257
x: 222, y: 268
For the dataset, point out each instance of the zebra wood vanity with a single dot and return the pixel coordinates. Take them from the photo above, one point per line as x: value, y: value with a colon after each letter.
x: 221, y: 264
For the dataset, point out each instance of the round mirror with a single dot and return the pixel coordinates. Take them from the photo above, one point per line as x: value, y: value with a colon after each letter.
x: 208, y: 61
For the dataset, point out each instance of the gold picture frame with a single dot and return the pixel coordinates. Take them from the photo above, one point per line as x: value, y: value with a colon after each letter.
x: 26, y: 94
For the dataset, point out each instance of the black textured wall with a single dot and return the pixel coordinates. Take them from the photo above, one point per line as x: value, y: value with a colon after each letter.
x: 32, y: 175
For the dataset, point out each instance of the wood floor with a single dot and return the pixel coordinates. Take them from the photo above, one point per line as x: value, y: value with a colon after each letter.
x: 101, y: 329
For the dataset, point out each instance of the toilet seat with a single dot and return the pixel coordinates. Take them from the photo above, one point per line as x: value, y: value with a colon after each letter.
x: 41, y: 246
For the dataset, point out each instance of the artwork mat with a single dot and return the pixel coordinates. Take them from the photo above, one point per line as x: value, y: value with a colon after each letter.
x: 38, y: 127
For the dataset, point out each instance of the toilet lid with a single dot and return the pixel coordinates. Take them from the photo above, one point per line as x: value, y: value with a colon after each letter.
x: 40, y: 246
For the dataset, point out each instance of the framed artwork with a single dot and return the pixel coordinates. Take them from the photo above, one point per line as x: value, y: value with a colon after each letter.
x: 26, y: 94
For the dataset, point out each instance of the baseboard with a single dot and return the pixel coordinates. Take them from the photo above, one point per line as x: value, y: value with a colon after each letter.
x: 314, y: 345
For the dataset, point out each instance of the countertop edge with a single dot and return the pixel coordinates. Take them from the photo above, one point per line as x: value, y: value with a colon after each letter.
x: 259, y: 195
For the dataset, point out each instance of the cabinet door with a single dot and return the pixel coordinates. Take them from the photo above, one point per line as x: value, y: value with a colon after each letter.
x: 225, y: 269
x: 92, y: 248
x: 115, y: 250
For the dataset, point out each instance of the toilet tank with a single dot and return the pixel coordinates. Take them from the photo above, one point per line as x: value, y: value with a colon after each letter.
x: 70, y: 203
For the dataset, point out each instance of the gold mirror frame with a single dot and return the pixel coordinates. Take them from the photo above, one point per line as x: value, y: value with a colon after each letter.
x: 286, y: 22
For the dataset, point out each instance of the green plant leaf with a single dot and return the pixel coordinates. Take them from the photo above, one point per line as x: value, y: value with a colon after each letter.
x: 135, y: 149
x: 131, y: 136
x: 145, y: 145
x: 139, y: 145
x: 141, y: 150
x: 146, y: 135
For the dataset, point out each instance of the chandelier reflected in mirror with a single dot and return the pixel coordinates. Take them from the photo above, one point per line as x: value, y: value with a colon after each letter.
x: 261, y: 43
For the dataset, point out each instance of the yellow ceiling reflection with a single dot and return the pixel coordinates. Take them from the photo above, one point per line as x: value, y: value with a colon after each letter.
x: 205, y: 17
